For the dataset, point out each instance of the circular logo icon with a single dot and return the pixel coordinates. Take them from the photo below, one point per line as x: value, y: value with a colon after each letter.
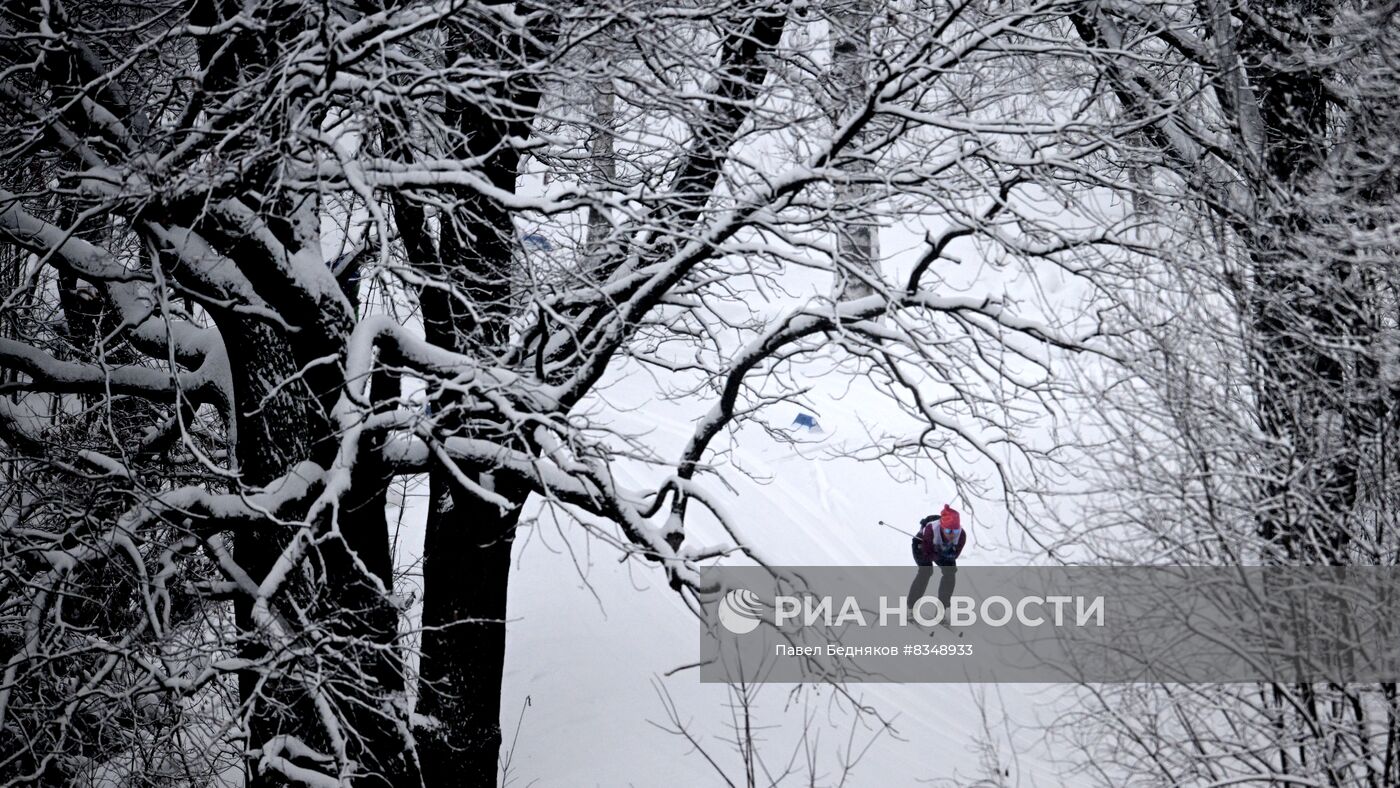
x: 740, y: 610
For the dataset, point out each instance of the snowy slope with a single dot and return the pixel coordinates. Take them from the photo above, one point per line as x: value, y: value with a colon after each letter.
x: 589, y: 637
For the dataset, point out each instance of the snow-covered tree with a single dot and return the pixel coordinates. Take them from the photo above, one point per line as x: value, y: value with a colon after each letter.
x: 1256, y: 419
x: 262, y: 259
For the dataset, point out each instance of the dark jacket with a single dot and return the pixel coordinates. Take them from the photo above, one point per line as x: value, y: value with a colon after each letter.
x: 931, y: 546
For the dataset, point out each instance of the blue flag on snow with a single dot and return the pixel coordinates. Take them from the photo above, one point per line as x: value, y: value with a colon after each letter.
x: 539, y: 242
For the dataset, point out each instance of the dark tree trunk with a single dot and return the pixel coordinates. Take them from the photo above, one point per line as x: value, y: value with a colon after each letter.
x: 342, y: 591
x: 269, y: 442
x: 466, y: 551
x: 361, y: 608
x: 358, y: 608
x: 466, y: 577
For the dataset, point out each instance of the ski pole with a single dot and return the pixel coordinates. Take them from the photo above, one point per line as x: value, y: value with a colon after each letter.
x: 892, y: 527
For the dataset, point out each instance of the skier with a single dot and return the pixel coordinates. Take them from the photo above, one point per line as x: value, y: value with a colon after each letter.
x: 940, y: 541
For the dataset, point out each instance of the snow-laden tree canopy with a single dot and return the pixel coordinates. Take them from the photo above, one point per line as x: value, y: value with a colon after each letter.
x: 261, y: 259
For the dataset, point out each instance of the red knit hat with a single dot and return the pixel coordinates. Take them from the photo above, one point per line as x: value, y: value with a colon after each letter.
x: 949, y: 519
